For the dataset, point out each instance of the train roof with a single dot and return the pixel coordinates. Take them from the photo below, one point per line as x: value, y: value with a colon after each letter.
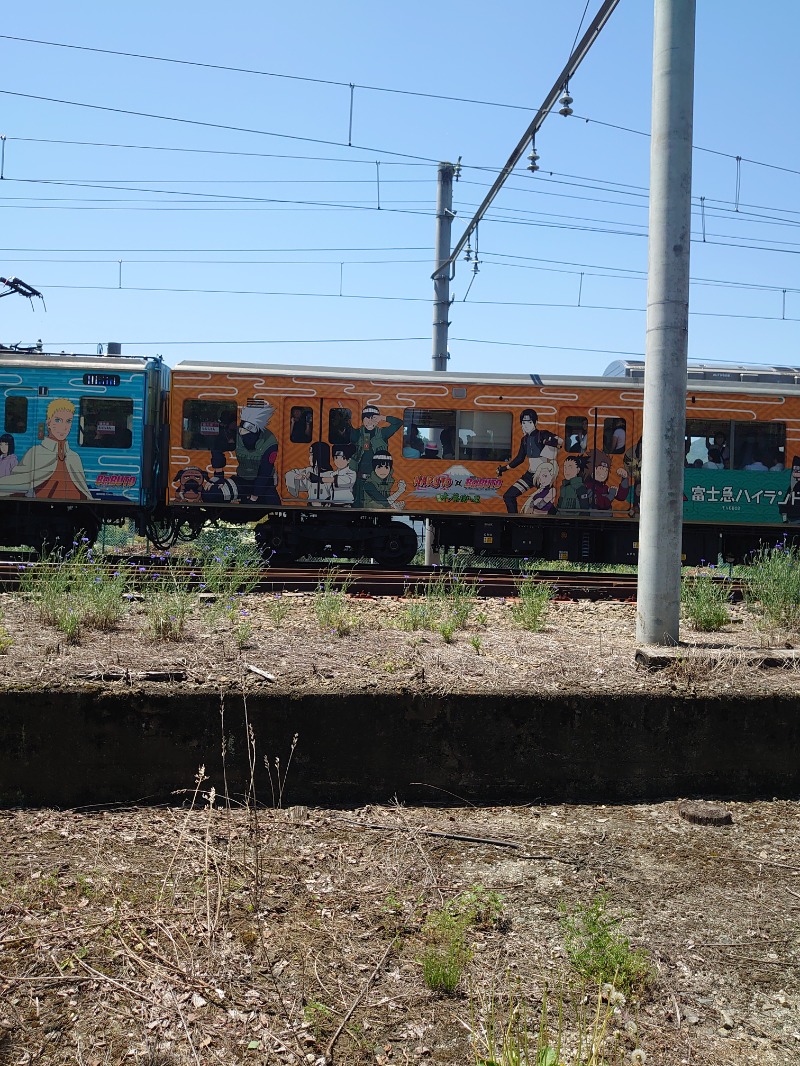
x: 103, y: 363
x: 752, y: 373
x: 699, y: 380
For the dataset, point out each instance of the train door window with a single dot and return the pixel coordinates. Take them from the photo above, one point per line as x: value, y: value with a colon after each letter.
x: 209, y: 425
x: 301, y: 425
x: 759, y: 446
x: 707, y: 443
x: 576, y: 433
x: 340, y: 424
x: 16, y: 415
x: 484, y: 436
x: 105, y: 423
x: 614, y: 436
x: 429, y: 434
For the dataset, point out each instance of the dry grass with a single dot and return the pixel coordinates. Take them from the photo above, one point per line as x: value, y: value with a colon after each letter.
x: 582, y: 646
x: 212, y: 935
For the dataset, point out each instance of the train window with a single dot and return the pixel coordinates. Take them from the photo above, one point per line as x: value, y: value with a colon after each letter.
x: 484, y: 436
x: 759, y: 446
x: 340, y: 425
x: 16, y: 419
x: 708, y: 443
x: 614, y: 436
x: 576, y: 433
x: 301, y: 425
x: 209, y: 425
x: 429, y: 434
x: 105, y: 423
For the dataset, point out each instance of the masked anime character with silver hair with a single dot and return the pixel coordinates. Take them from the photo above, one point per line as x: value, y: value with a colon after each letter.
x: 256, y: 454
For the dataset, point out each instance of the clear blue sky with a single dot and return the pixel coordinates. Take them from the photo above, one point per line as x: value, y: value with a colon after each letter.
x: 271, y: 239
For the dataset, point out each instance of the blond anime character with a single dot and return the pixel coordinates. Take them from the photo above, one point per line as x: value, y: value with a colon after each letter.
x: 50, y: 470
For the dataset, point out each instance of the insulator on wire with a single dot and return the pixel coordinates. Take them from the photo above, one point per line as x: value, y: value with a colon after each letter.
x: 565, y: 101
x: 533, y: 160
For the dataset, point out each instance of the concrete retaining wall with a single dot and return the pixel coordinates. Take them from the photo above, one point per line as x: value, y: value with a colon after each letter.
x: 71, y: 749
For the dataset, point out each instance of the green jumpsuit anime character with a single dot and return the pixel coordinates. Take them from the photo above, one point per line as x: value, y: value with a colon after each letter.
x: 369, y: 439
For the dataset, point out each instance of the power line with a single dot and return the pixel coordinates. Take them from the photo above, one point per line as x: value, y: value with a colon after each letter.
x: 553, y: 305
x: 213, y: 125
x: 212, y: 151
x: 265, y: 73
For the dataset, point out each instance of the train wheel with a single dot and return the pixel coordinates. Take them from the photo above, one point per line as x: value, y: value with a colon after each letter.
x: 397, y: 546
x: 272, y: 543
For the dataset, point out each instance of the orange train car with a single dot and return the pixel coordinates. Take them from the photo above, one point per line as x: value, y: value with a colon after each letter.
x: 334, y: 460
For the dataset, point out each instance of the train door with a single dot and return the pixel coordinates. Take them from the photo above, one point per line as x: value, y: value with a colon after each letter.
x: 612, y: 467
x: 318, y: 451
x: 49, y: 477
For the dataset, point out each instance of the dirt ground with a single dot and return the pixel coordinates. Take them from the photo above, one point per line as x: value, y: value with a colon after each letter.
x: 208, y: 935
x: 582, y: 644
x: 169, y: 937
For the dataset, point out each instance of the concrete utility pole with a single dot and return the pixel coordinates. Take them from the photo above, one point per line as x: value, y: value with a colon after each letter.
x: 441, y: 293
x: 661, y: 518
x: 441, y: 277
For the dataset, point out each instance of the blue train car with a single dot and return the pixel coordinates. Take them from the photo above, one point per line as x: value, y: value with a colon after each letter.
x: 80, y: 443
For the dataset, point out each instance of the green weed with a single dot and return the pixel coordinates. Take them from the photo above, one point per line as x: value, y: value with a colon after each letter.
x: 277, y: 609
x: 446, y: 957
x: 444, y: 604
x: 443, y: 965
x: 705, y: 600
x: 563, y: 1029
x: 168, y: 605
x: 76, y: 589
x: 772, y: 587
x: 331, y: 608
x: 599, y: 950
x: 534, y: 603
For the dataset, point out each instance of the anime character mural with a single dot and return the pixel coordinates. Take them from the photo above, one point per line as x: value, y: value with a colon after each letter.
x: 537, y: 446
x: 50, y: 470
x: 377, y: 489
x: 189, y: 484
x: 256, y: 449
x: 574, y: 496
x: 8, y: 460
x: 542, y: 500
x: 602, y: 495
x: 341, y: 478
x: 632, y: 461
x: 790, y: 508
x: 371, y: 438
x: 310, y: 480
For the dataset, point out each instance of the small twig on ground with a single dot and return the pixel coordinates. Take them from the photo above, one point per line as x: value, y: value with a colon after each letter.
x: 261, y: 673
x: 467, y: 839
x: 354, y: 1004
x: 97, y: 976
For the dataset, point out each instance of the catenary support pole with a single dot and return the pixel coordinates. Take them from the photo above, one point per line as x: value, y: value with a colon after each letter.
x: 441, y: 278
x: 441, y: 293
x: 666, y: 346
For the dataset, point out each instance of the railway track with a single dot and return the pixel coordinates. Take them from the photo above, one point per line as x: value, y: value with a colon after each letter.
x: 363, y: 580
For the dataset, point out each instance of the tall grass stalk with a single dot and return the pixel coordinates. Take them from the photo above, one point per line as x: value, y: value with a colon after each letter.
x: 168, y: 605
x: 76, y: 589
x: 772, y: 587
x: 331, y: 608
x: 531, y: 610
x: 704, y: 601
x: 444, y: 604
x: 568, y: 1027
